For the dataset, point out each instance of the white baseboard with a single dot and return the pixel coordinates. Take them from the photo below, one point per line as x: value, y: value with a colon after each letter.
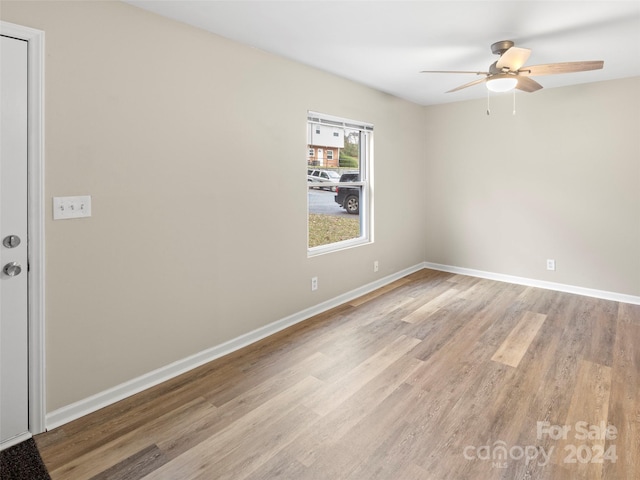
x: 15, y: 440
x: 530, y: 282
x: 119, y: 392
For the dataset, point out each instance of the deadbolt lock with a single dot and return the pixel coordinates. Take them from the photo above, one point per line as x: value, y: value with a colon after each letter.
x: 11, y: 241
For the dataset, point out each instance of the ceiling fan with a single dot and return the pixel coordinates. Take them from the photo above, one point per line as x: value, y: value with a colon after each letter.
x: 509, y: 72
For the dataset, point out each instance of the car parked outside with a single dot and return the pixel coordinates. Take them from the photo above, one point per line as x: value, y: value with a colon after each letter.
x: 323, y: 176
x: 349, y: 197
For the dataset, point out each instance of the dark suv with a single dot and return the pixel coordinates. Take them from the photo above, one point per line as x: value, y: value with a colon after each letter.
x: 349, y: 197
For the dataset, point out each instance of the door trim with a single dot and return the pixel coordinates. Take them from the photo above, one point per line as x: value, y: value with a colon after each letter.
x: 36, y: 252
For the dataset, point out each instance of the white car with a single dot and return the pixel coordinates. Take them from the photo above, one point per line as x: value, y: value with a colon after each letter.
x: 322, y: 176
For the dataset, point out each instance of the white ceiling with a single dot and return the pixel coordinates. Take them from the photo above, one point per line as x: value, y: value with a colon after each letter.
x: 385, y: 44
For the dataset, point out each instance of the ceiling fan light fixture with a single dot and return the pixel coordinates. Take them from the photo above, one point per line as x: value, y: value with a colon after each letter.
x: 502, y: 83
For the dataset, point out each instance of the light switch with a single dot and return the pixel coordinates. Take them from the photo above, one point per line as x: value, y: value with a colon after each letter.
x: 71, y: 207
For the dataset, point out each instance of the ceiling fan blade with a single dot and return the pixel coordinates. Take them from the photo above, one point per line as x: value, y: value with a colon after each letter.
x: 527, y: 84
x: 513, y: 58
x: 454, y: 71
x: 564, y: 67
x: 475, y: 82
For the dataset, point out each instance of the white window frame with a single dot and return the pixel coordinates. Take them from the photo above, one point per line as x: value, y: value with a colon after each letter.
x: 366, y: 183
x: 329, y: 153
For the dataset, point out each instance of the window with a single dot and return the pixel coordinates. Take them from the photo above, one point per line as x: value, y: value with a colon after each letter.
x: 339, y: 195
x: 312, y: 152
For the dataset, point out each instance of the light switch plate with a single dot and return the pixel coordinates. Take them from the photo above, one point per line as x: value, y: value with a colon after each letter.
x: 71, y: 207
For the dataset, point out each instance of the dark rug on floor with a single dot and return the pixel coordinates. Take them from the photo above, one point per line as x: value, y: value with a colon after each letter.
x: 22, y: 462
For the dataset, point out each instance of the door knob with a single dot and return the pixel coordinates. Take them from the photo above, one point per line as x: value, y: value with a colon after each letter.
x: 12, y: 269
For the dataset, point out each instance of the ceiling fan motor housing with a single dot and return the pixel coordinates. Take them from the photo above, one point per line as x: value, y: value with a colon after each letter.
x: 499, y: 48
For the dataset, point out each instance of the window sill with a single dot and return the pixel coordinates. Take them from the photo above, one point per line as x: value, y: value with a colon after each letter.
x: 337, y: 246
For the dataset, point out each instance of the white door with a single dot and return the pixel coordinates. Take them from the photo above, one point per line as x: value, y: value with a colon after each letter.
x: 14, y: 394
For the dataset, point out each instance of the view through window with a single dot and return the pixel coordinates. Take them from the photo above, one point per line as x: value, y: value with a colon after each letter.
x: 339, y: 166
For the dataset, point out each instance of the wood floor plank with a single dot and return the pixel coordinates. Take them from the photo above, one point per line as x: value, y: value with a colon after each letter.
x: 318, y: 438
x: 258, y: 448
x: 440, y: 329
x: 349, y: 455
x: 261, y: 382
x: 624, y: 404
x: 89, y: 433
x: 552, y: 365
x: 431, y: 306
x: 464, y: 422
x: 134, y: 467
x: 392, y: 449
x: 414, y: 472
x: 589, y: 409
x: 599, y: 318
x: 206, y: 457
x: 516, y: 344
x: 227, y: 414
x: 280, y: 467
x: 628, y: 313
x: 454, y: 334
x: 376, y: 293
x: 323, y: 401
x: 354, y: 344
x: 116, y: 451
x: 396, y: 384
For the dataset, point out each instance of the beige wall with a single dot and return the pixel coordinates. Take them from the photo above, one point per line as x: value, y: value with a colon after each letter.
x: 194, y: 151
x: 559, y: 180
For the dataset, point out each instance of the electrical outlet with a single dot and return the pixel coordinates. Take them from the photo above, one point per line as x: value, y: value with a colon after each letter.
x: 375, y: 266
x: 551, y: 264
x: 314, y: 284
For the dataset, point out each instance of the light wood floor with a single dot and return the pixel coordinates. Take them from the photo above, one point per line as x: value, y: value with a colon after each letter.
x: 436, y: 376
